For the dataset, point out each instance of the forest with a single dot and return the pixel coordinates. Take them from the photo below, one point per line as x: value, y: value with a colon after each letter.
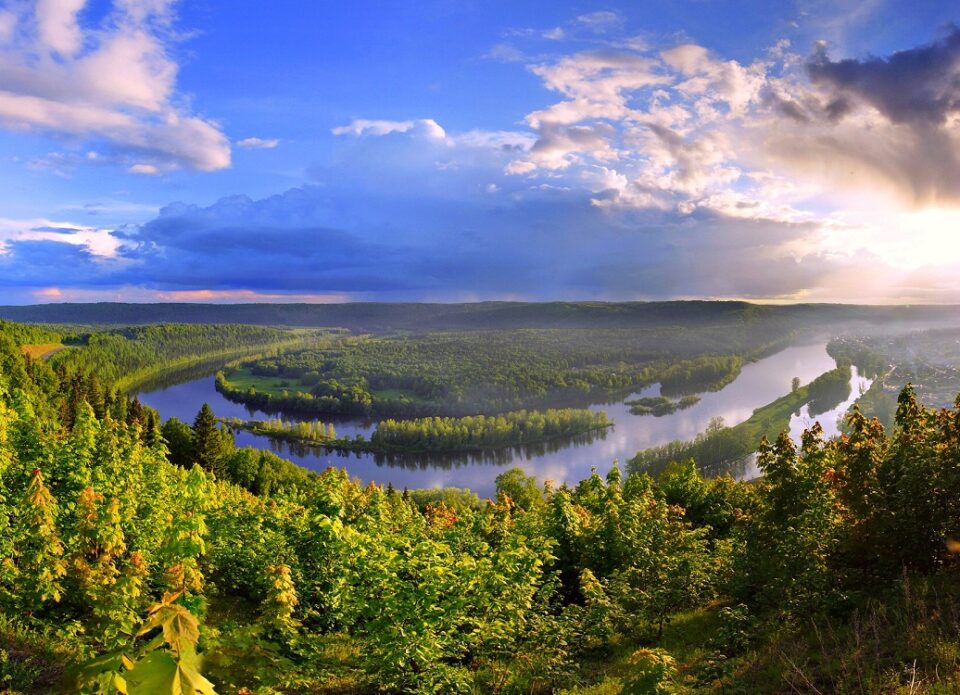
x: 124, y: 357
x: 146, y: 557
x: 460, y: 373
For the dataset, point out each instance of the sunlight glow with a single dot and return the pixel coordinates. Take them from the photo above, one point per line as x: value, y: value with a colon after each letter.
x: 927, y: 237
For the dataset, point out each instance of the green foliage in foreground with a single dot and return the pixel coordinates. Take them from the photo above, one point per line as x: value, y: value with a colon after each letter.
x: 121, y: 571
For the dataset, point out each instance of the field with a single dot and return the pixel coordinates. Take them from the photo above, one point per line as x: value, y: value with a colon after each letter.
x: 42, y: 351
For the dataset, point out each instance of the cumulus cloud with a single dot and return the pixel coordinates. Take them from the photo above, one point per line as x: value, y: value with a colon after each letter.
x: 113, y: 82
x: 685, y: 128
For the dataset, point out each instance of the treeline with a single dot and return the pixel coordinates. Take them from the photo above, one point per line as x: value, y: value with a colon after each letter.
x: 313, y: 431
x: 124, y: 357
x: 701, y: 374
x: 26, y: 334
x: 714, y: 449
x: 484, y: 432
x: 329, y: 398
x: 406, y: 316
x: 401, y: 316
x: 439, y: 434
x: 829, y: 390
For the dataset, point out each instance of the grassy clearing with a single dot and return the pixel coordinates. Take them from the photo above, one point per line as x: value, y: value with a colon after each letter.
x: 242, y: 378
x: 42, y: 351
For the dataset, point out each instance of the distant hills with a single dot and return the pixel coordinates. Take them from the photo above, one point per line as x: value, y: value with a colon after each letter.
x: 382, y: 316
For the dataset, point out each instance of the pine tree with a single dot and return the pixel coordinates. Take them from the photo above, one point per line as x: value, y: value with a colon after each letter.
x: 208, y: 443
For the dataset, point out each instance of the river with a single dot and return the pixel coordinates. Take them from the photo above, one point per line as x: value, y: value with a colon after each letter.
x: 759, y: 383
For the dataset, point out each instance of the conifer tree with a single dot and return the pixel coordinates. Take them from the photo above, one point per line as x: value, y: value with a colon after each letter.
x: 208, y: 443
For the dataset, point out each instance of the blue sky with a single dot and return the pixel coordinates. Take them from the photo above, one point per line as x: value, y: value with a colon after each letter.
x: 213, y: 151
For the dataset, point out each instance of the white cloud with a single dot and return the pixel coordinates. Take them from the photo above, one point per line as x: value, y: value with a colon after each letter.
x: 100, y: 243
x: 57, y: 25
x: 258, y: 143
x: 854, y: 156
x: 114, y: 82
x: 505, y: 140
x: 362, y: 126
x: 144, y: 169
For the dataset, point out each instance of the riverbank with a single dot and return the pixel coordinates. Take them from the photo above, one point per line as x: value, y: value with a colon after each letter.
x: 718, y: 445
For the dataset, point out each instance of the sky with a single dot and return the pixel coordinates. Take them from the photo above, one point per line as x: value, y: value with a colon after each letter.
x: 464, y: 150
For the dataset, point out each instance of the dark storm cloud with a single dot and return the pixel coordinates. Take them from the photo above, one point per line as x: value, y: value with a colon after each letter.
x: 40, y: 262
x: 916, y: 86
x: 879, y: 123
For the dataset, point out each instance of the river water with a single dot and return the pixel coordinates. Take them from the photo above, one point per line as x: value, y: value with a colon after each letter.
x: 759, y: 383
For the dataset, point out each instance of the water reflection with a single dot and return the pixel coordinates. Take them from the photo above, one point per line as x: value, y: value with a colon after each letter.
x: 831, y: 421
x: 759, y: 383
x: 444, y: 460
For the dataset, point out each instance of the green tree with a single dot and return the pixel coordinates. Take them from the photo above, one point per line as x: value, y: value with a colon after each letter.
x: 521, y: 488
x: 179, y: 438
x: 208, y: 442
x: 38, y: 549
